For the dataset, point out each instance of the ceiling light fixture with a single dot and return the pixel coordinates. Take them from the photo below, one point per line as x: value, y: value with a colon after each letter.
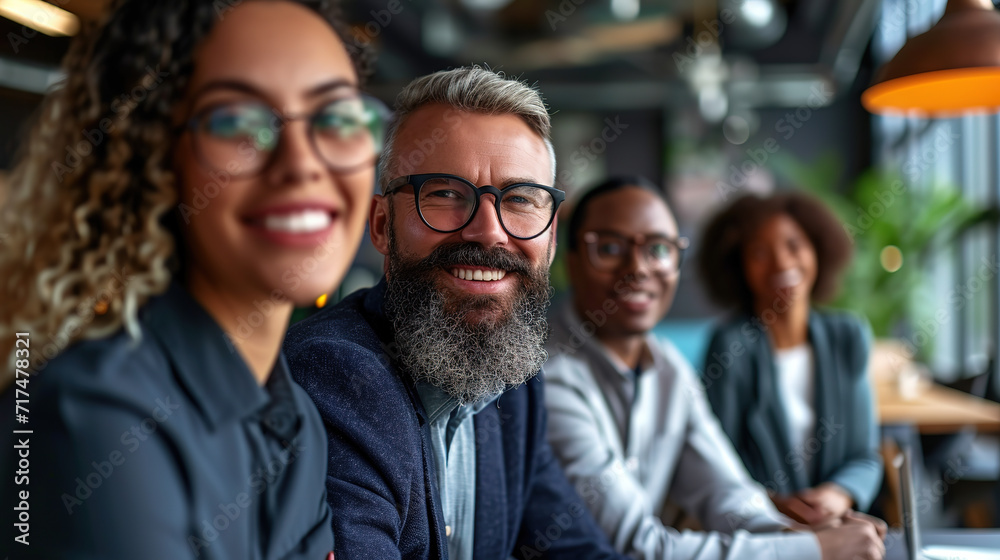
x: 952, y: 69
x: 757, y: 13
x: 42, y: 16
x: 625, y: 10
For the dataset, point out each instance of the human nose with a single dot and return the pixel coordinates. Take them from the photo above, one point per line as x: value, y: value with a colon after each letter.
x: 294, y: 160
x: 782, y: 258
x: 636, y: 265
x: 485, y: 227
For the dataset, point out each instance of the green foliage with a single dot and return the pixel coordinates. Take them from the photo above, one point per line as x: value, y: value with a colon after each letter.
x: 880, y: 210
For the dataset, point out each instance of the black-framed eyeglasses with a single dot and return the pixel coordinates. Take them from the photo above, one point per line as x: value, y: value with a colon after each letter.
x: 610, y: 251
x: 447, y: 203
x: 240, y: 138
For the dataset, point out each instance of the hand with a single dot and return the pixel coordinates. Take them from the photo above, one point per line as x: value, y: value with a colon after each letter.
x: 854, y: 539
x: 800, y: 511
x: 828, y: 498
x: 880, y: 526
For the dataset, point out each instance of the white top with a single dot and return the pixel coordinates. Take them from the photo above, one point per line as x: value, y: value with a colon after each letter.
x: 796, y: 387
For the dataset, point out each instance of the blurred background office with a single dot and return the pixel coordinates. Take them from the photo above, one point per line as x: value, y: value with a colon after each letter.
x: 711, y: 100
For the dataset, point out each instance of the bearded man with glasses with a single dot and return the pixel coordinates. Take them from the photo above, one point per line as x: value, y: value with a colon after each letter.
x: 628, y: 417
x: 427, y: 382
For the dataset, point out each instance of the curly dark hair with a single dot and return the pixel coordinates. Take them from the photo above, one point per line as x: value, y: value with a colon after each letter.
x: 720, y: 259
x: 93, y: 196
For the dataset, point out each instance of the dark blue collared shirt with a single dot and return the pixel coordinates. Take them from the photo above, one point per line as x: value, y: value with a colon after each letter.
x: 166, y: 448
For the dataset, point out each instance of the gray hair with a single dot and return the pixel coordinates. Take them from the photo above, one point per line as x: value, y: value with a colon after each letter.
x: 473, y: 89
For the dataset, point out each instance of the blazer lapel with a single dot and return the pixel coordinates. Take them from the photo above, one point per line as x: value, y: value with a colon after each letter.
x: 772, y: 423
x: 491, y: 530
x: 375, y: 315
x: 435, y: 513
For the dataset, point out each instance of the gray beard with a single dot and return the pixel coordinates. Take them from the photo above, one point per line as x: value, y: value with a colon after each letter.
x: 436, y: 343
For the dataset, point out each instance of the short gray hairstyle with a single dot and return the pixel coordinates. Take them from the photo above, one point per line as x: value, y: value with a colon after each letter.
x: 473, y: 89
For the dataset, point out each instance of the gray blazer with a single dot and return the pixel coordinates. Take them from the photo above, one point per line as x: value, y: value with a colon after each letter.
x: 740, y: 379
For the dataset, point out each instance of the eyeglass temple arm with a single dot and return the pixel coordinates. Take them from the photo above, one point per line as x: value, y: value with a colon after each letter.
x: 396, y: 184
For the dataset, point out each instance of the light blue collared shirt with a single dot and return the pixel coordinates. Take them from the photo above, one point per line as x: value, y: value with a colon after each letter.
x: 453, y: 439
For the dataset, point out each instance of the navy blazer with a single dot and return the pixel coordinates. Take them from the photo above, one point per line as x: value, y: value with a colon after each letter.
x: 381, y: 482
x: 742, y: 386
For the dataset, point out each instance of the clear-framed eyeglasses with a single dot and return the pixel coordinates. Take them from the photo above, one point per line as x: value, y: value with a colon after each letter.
x: 240, y: 138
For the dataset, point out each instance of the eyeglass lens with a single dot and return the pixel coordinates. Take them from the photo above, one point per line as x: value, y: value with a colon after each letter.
x: 446, y: 204
x: 241, y: 137
x: 609, y: 252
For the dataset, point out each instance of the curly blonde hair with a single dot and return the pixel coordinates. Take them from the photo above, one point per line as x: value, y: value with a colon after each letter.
x: 89, y: 215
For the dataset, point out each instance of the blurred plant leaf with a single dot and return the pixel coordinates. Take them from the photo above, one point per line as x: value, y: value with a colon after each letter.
x: 882, y: 209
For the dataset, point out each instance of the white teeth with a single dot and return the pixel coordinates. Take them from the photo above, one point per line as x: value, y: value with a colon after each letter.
x: 787, y: 278
x: 478, y: 274
x: 638, y: 297
x: 306, y: 221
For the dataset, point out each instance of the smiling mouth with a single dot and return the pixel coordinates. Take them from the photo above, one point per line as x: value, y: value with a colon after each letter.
x: 478, y: 274
x: 787, y: 279
x: 637, y: 297
x: 305, y: 221
x: 302, y: 221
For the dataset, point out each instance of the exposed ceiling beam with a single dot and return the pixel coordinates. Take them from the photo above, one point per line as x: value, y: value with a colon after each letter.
x: 32, y: 78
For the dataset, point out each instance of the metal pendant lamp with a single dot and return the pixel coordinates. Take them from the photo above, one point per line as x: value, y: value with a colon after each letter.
x: 952, y: 69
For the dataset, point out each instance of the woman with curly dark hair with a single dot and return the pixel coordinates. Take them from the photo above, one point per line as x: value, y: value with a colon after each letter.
x: 788, y: 381
x: 205, y: 166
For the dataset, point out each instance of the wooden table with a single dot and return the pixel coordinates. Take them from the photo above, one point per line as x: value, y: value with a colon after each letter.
x: 936, y: 410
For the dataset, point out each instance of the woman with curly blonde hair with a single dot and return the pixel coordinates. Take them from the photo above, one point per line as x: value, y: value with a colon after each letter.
x: 205, y: 166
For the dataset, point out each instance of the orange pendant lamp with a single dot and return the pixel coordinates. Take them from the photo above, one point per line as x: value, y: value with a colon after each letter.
x: 952, y: 69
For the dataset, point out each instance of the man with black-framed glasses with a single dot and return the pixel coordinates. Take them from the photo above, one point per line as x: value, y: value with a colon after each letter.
x: 628, y: 417
x: 428, y: 382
